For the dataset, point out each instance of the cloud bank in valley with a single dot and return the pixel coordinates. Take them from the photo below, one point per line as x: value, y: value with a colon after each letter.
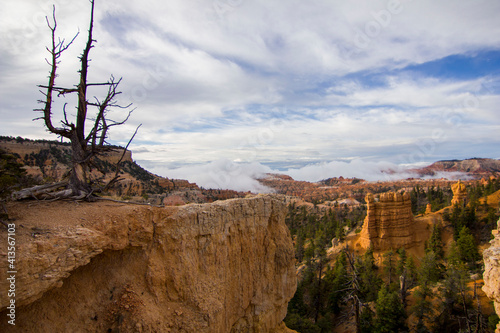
x: 222, y: 174
x: 226, y: 174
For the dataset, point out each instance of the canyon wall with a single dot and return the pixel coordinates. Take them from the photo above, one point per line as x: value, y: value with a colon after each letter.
x: 491, y: 273
x: 389, y: 222
x: 107, y: 267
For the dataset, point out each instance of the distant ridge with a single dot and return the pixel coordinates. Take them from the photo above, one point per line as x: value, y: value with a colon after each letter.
x: 476, y: 167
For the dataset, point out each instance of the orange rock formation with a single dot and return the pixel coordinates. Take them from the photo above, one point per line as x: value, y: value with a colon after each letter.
x: 459, y: 193
x: 389, y: 222
x: 102, y: 267
x: 428, y: 209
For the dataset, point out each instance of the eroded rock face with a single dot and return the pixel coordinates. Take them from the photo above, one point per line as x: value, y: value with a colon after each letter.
x: 491, y: 273
x: 459, y: 194
x: 222, y: 267
x: 389, y: 222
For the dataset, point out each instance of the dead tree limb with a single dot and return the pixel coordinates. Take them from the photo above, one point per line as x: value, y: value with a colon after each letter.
x: 116, y: 176
x: 37, y: 192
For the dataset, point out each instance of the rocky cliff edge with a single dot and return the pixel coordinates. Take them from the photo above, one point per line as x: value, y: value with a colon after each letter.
x: 108, y: 267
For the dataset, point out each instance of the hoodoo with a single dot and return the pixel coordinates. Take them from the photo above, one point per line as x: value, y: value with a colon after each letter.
x: 459, y: 194
x: 389, y: 222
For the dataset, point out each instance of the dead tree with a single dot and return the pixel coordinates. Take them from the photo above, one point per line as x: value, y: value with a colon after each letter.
x: 353, y: 290
x: 85, y: 143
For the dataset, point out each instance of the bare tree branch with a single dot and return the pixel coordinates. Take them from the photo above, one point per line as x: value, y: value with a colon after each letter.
x: 82, y: 86
x: 115, y: 178
x: 56, y: 50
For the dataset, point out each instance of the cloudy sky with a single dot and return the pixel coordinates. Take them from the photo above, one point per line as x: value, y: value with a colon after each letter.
x: 228, y: 89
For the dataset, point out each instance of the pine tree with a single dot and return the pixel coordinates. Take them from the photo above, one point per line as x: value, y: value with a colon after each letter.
x: 454, y: 295
x: 390, y: 313
x: 453, y: 257
x: 401, y: 265
x: 467, y: 247
x: 435, y: 244
x: 428, y: 274
x: 318, y: 287
x: 11, y: 173
x: 389, y: 263
x: 310, y: 250
x: 337, y: 279
x: 330, y: 225
x: 463, y: 217
x: 369, y: 280
x: 299, y: 246
x: 12, y: 177
x: 366, y: 319
x: 429, y: 271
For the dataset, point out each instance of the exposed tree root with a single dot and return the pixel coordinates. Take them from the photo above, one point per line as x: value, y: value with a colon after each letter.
x: 58, y: 190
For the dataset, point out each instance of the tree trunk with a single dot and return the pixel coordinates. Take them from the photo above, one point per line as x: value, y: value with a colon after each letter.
x: 403, y: 288
x: 78, y: 181
x: 357, y: 315
x: 469, y: 329
x: 319, y: 294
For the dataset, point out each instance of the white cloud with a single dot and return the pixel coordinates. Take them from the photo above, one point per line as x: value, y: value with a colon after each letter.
x: 206, y: 79
x: 226, y: 174
x: 371, y: 171
x: 222, y: 174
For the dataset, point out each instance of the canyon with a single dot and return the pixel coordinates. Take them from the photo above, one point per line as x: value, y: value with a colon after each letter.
x: 48, y: 161
x: 337, y: 189
x: 93, y: 267
x: 182, y: 266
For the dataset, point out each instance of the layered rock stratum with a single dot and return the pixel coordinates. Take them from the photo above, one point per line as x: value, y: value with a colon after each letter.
x: 491, y: 275
x: 389, y: 222
x: 106, y: 267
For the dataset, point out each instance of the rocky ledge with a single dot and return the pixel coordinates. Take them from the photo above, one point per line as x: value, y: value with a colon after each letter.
x: 108, y: 267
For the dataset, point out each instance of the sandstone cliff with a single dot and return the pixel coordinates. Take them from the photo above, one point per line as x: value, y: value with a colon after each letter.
x: 389, y: 222
x: 106, y: 267
x: 491, y: 273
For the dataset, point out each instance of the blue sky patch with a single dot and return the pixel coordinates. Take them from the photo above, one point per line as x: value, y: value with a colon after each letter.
x: 460, y: 66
